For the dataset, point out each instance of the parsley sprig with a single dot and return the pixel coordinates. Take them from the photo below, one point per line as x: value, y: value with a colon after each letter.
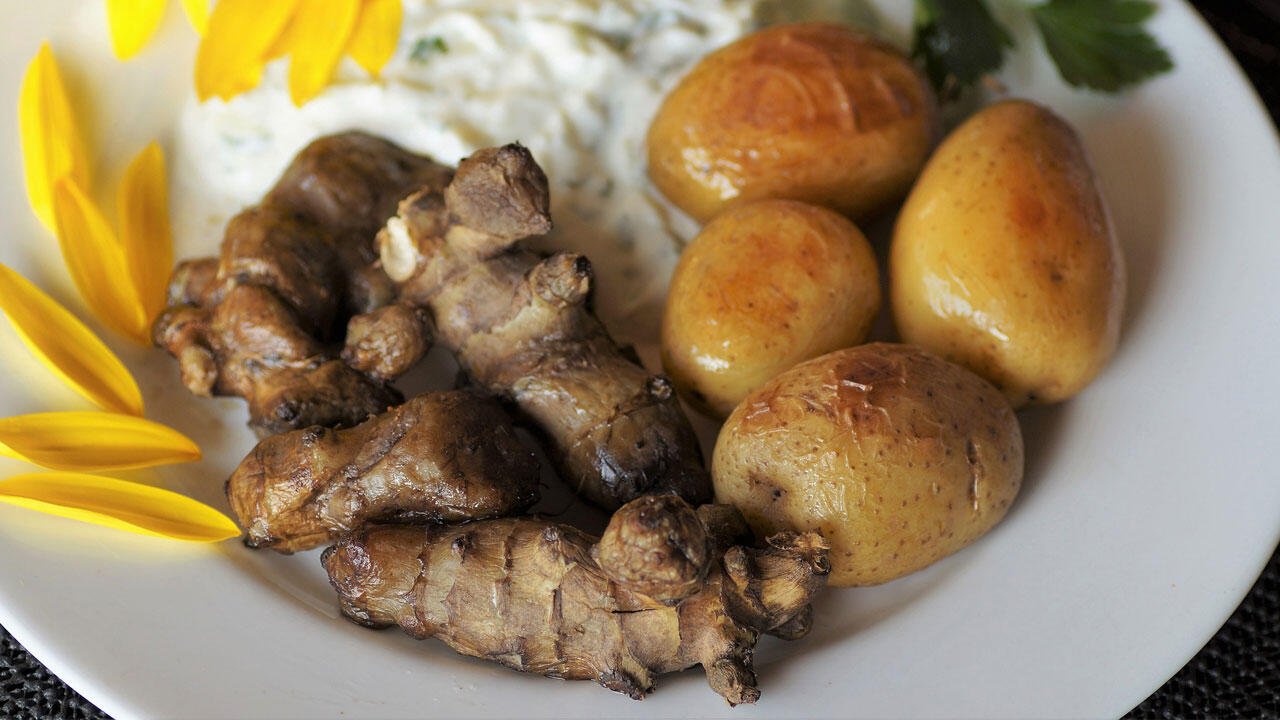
x: 1097, y: 44
x: 959, y: 42
x: 1101, y: 44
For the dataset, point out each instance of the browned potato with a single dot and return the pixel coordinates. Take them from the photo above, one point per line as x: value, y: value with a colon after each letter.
x: 816, y: 112
x: 1004, y: 258
x: 897, y: 456
x: 763, y: 287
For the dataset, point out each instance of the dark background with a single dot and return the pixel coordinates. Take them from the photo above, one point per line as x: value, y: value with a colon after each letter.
x: 1236, y: 675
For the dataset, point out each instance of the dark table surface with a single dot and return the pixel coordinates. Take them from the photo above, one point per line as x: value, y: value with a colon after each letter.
x: 1236, y: 675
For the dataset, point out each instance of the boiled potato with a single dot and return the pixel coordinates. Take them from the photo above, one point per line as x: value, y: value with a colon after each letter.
x: 1004, y: 259
x: 763, y: 287
x: 897, y: 456
x: 815, y: 112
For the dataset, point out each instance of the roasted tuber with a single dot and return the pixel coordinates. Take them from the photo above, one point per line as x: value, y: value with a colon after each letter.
x: 532, y: 595
x: 440, y: 457
x: 263, y: 320
x: 521, y: 327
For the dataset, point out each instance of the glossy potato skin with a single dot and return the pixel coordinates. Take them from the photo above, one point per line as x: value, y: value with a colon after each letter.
x: 1004, y: 258
x: 763, y: 287
x: 898, y: 457
x: 815, y: 112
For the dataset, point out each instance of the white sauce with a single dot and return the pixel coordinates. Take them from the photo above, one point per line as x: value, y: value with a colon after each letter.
x: 577, y: 81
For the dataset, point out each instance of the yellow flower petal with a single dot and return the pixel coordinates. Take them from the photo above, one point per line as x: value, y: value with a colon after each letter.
x: 69, y: 348
x: 197, y: 14
x: 235, y: 45
x: 97, y: 262
x: 144, y: 228
x: 132, y: 23
x: 51, y: 144
x: 283, y: 43
x: 118, y: 504
x: 93, y: 441
x: 376, y: 35
x: 323, y: 28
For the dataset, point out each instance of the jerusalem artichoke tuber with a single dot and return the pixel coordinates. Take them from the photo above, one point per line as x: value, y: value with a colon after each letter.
x: 521, y: 327
x: 440, y: 457
x: 259, y: 322
x: 546, y: 598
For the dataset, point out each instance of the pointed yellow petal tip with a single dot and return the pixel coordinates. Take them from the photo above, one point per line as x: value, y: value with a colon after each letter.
x: 132, y: 24
x: 376, y: 35
x: 67, y: 347
x: 197, y: 14
x: 236, y: 43
x: 52, y: 146
x: 97, y: 262
x: 145, y: 233
x: 321, y: 29
x: 118, y: 504
x: 93, y: 441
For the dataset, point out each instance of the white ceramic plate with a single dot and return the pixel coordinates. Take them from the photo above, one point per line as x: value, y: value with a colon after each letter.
x: 1152, y: 500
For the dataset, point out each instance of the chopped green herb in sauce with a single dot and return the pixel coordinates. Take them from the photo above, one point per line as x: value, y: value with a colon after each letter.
x: 425, y: 47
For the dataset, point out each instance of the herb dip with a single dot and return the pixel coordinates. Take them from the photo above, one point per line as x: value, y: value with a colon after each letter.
x: 577, y: 81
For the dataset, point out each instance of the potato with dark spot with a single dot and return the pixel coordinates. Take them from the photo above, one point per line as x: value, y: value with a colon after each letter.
x: 817, y: 112
x: 898, y: 457
x: 763, y: 287
x: 1004, y: 258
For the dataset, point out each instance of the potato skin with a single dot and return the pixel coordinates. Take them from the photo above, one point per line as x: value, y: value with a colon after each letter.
x: 763, y: 287
x: 1004, y: 258
x: 817, y: 112
x: 897, y: 456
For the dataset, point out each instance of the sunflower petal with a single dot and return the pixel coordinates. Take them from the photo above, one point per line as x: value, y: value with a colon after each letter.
x: 144, y: 227
x: 97, y: 263
x: 284, y: 42
x: 376, y: 35
x: 132, y: 23
x: 118, y: 504
x: 235, y: 44
x: 93, y: 441
x: 323, y: 28
x: 51, y: 144
x: 67, y: 347
x: 197, y: 14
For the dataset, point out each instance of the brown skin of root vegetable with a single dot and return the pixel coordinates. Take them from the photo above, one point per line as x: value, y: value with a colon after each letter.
x: 388, y: 342
x: 440, y: 457
x: 659, y: 548
x: 261, y: 320
x: 521, y: 327
x: 534, y: 595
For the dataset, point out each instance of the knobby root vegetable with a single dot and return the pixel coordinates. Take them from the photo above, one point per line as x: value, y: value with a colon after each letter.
x: 521, y: 327
x: 261, y: 321
x: 540, y: 597
x: 440, y: 457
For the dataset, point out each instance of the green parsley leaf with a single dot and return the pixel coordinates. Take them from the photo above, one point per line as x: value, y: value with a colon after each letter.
x: 425, y: 47
x: 959, y: 42
x: 1101, y: 44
